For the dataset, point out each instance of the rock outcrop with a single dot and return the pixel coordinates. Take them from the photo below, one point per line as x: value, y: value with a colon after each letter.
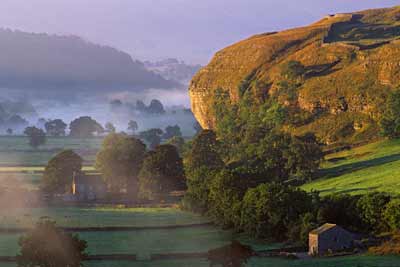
x: 351, y: 60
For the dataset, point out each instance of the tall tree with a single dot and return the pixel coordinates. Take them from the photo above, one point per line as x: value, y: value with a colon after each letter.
x: 37, y: 137
x: 161, y: 173
x: 55, y: 127
x: 48, y: 246
x: 152, y: 136
x: 84, y: 127
x: 120, y: 160
x: 59, y: 172
x: 172, y: 131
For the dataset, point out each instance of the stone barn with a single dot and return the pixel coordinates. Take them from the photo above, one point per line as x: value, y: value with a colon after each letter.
x: 88, y: 187
x: 329, y: 238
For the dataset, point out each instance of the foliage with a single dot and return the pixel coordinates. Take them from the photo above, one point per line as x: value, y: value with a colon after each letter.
x: 55, y: 127
x: 202, y: 162
x: 269, y: 210
x: 48, y: 246
x: 152, y: 136
x: 84, y: 127
x: 119, y: 160
x: 225, y: 194
x: 392, y: 214
x: 156, y: 107
x: 370, y: 209
x: 390, y: 122
x: 177, y: 142
x: 161, y: 173
x: 37, y: 137
x: 172, y: 131
x: 59, y: 172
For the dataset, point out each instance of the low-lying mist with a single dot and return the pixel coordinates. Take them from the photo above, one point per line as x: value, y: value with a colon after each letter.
x: 69, y: 106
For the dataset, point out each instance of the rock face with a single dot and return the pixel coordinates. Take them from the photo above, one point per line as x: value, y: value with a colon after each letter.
x: 351, y: 60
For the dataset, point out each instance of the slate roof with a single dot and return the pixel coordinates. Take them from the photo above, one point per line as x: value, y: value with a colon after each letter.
x: 323, y: 228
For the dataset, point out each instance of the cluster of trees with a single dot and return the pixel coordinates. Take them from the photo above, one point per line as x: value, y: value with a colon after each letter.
x: 126, y: 166
x: 269, y: 208
x: 154, y: 108
x: 154, y: 136
x: 390, y: 121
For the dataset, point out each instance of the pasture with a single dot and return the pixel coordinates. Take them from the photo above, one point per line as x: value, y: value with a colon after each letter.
x: 373, y: 167
x: 15, y: 150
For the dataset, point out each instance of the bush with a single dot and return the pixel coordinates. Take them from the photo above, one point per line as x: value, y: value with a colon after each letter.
x: 392, y: 214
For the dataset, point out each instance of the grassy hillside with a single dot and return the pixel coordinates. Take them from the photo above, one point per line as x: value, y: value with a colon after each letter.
x: 360, y: 170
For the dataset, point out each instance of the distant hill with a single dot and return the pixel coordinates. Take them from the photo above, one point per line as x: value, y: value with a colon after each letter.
x: 351, y: 62
x: 173, y: 69
x: 42, y: 62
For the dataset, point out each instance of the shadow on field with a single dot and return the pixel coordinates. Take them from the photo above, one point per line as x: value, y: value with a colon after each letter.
x: 352, y: 167
x: 348, y: 191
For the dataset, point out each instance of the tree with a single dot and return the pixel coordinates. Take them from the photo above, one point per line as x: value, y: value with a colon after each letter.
x: 269, y: 209
x: 390, y: 121
x: 55, y: 127
x: 37, y: 137
x: 177, y: 142
x: 48, y: 246
x: 161, y: 173
x: 172, y: 131
x: 84, y: 127
x: 59, y: 172
x: 120, y: 160
x: 391, y: 214
x: 152, y: 136
x: 10, y: 131
x: 133, y: 126
x: 202, y: 164
x: 156, y: 107
x: 371, y: 212
x: 110, y: 128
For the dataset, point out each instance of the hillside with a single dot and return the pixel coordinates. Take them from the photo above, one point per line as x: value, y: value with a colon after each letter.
x: 367, y: 168
x: 350, y: 60
x: 49, y: 62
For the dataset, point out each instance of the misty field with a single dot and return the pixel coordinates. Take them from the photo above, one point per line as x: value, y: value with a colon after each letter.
x: 15, y: 150
x: 101, y: 217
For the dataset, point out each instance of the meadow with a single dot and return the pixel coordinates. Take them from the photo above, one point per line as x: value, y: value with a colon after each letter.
x: 373, y: 167
x: 15, y: 150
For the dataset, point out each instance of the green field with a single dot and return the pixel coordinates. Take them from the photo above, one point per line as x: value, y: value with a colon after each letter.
x: 101, y: 217
x: 373, y: 167
x: 15, y: 150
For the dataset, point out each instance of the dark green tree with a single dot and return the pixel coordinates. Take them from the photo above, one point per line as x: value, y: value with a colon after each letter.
x: 269, y: 210
x: 161, y: 173
x: 172, y: 131
x: 177, y: 142
x: 370, y: 209
x: 390, y: 121
x: 120, y: 160
x: 85, y: 127
x: 59, y: 172
x: 37, y: 137
x: 48, y: 246
x: 55, y: 127
x: 391, y: 214
x: 152, y: 136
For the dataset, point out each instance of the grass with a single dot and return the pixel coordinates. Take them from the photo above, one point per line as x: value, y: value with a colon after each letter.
x: 373, y: 167
x: 101, y: 217
x: 15, y: 150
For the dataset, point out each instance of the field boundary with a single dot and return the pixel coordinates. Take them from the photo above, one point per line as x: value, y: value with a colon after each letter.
x: 5, y: 230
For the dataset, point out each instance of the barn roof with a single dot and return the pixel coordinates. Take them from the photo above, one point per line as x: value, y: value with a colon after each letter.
x: 323, y: 228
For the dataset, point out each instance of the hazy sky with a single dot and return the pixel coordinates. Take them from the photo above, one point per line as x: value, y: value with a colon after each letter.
x: 192, y: 30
